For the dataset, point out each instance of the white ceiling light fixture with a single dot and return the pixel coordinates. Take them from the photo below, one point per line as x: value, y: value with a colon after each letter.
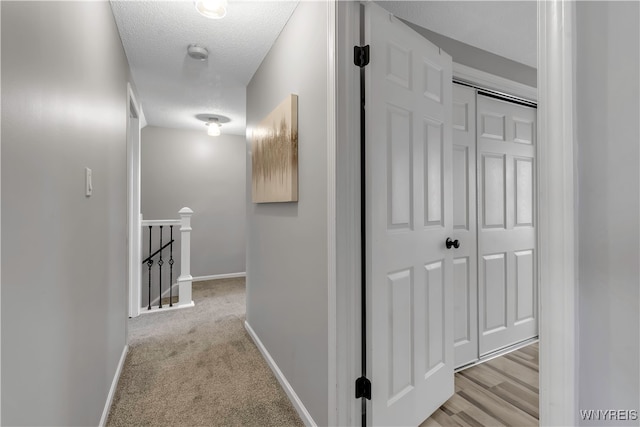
x: 213, y: 127
x: 214, y: 9
x: 213, y: 122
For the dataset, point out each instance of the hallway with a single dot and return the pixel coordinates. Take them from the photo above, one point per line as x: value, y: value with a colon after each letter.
x: 198, y: 366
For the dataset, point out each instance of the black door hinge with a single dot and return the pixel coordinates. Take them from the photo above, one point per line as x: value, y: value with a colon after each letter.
x: 363, y: 388
x: 361, y: 55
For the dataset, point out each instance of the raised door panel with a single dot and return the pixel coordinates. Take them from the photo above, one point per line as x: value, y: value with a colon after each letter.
x: 524, y: 187
x: 492, y: 126
x: 433, y: 87
x: 493, y: 193
x: 399, y: 65
x: 494, y: 293
x: 462, y: 290
x: 526, y: 294
x: 523, y: 131
x: 434, y: 170
x: 461, y: 108
x: 400, y: 334
x: 399, y: 167
x: 435, y: 304
x: 461, y: 188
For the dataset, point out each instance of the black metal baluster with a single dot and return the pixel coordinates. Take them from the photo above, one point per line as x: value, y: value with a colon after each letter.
x: 160, y: 262
x: 149, y: 264
x: 171, y: 268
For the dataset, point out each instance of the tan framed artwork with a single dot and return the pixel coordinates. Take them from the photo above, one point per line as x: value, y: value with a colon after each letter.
x: 274, y: 155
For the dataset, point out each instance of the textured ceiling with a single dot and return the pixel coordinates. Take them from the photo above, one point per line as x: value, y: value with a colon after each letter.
x: 506, y: 28
x: 173, y: 87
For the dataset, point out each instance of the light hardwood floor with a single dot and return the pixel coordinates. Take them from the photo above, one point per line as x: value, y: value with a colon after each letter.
x: 500, y: 392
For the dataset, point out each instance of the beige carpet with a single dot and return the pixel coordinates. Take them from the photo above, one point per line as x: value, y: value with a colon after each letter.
x: 199, y: 367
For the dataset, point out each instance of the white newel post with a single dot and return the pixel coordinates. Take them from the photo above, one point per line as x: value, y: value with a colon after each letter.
x: 185, y: 280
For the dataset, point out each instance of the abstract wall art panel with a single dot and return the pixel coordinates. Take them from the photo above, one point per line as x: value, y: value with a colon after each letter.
x: 274, y: 150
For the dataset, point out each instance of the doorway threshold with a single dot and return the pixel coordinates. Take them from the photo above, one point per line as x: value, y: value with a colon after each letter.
x: 498, y: 353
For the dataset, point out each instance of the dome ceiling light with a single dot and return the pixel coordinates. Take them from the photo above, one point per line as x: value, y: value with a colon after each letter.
x: 213, y: 122
x: 214, y: 9
x: 213, y: 127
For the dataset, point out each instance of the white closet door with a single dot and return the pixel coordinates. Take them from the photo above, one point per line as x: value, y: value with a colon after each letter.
x: 409, y: 216
x: 465, y: 272
x: 506, y: 220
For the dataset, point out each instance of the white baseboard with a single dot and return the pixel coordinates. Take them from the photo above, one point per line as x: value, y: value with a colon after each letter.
x: 165, y: 294
x: 293, y: 397
x: 114, y: 386
x: 165, y: 308
x: 219, y: 276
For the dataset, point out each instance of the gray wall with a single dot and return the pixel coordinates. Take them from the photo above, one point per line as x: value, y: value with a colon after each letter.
x: 286, y: 242
x: 189, y: 168
x: 64, y: 75
x: 479, y: 59
x: 608, y: 141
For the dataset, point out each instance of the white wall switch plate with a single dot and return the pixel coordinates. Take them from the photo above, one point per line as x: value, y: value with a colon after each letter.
x: 88, y: 182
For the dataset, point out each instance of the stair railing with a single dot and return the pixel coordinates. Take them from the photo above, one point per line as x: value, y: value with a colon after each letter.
x: 185, y: 279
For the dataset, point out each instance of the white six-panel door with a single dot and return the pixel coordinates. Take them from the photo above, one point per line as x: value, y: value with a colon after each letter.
x: 507, y: 287
x: 408, y: 216
x: 464, y: 226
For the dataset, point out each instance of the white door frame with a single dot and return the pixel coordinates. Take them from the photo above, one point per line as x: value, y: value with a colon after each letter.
x: 344, y: 409
x: 134, y: 259
x: 332, y: 301
x: 556, y: 218
x: 556, y: 215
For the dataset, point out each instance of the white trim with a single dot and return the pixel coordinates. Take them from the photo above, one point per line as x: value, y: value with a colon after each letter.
x: 155, y: 222
x: 347, y: 295
x: 134, y: 232
x: 219, y: 276
x: 556, y: 225
x: 293, y: 397
x: 332, y: 332
x: 0, y: 215
x: 491, y: 81
x: 156, y: 309
x: 498, y: 353
x: 141, y: 116
x: 114, y: 386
